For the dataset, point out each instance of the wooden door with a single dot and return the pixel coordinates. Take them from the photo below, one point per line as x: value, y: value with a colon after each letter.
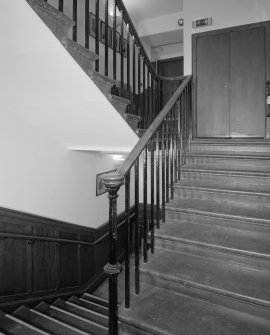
x: 212, y: 85
x: 230, y: 74
x: 172, y: 67
x: 247, y: 82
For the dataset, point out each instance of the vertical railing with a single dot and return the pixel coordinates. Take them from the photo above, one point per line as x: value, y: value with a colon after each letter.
x: 161, y: 153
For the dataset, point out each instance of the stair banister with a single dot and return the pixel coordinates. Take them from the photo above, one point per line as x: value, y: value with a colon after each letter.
x: 172, y: 127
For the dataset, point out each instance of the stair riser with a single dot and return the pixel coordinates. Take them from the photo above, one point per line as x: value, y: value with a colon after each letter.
x: 179, y: 215
x: 231, y: 147
x: 226, y: 178
x: 214, y: 252
x: 228, y: 197
x: 235, y: 304
x: 232, y: 162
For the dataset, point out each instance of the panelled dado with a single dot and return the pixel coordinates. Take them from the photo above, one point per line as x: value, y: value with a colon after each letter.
x: 42, y: 257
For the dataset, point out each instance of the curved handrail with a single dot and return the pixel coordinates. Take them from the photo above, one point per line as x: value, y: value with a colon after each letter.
x: 136, y: 151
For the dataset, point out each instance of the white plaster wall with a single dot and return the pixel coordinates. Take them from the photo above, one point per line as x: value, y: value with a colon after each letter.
x: 48, y: 103
x: 224, y: 13
x: 168, y: 51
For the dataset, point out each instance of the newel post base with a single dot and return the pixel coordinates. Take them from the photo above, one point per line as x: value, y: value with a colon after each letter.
x: 112, y: 183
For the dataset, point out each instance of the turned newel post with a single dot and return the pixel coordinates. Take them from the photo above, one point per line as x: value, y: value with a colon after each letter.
x: 112, y: 183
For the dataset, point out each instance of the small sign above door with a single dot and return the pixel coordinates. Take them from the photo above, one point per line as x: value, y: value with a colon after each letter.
x: 202, y: 22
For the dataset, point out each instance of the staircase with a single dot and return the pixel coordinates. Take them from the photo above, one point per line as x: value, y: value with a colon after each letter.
x: 85, y: 315
x: 210, y: 273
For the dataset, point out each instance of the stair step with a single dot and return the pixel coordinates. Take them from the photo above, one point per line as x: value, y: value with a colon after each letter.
x: 229, y: 191
x: 244, y: 145
x: 12, y: 326
x: 57, y: 22
x: 95, y: 299
x: 229, y: 158
x: 71, y: 319
x: 44, y: 322
x: 230, y: 276
x: 90, y: 305
x: 159, y: 311
x: 240, y: 212
x: 82, y: 312
x: 246, y: 240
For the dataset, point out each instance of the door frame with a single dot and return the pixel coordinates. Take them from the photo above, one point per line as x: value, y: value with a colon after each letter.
x: 265, y: 24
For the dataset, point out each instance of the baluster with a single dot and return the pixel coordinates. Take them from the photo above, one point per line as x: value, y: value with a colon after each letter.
x: 149, y: 98
x: 167, y: 158
x: 137, y: 228
x: 175, y: 142
x: 163, y: 182
x: 98, y: 33
x: 139, y: 81
x: 144, y: 114
x: 145, y: 228
x: 106, y: 50
x: 179, y: 125
x: 87, y: 25
x: 128, y: 61
x: 114, y: 40
x: 157, y: 180
x: 75, y: 19
x: 112, y: 184
x: 152, y: 98
x: 152, y: 196
x: 61, y: 6
x: 171, y: 153
x: 134, y: 71
x: 122, y: 56
x: 127, y: 241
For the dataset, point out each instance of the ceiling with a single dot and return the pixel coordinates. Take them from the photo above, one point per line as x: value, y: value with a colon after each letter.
x: 146, y: 9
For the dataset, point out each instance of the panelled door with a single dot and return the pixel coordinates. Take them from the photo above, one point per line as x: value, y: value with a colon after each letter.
x: 230, y: 77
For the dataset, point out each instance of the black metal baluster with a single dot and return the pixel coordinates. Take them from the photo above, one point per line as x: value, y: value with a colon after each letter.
x: 144, y: 114
x: 163, y: 181
x: 127, y: 241
x: 128, y: 61
x: 139, y: 82
x: 152, y: 225
x: 106, y: 51
x: 112, y: 269
x: 97, y: 32
x: 75, y: 19
x: 157, y: 180
x: 145, y: 223
x: 175, y: 142
x: 87, y: 25
x: 152, y: 97
x: 179, y: 133
x: 149, y: 98
x: 171, y: 154
x: 137, y: 228
x: 167, y: 159
x: 122, y: 56
x: 114, y: 40
x: 61, y: 6
x: 134, y: 71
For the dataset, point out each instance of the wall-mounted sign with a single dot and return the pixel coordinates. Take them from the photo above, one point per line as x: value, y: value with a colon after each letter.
x: 202, y: 22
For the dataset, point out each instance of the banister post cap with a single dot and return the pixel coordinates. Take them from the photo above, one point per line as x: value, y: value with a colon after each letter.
x: 113, y: 180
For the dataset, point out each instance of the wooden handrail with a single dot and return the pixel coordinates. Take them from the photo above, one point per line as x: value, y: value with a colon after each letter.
x: 136, y: 151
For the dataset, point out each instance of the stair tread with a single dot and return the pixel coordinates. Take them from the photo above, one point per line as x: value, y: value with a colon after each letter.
x: 220, y: 185
x: 242, y: 239
x: 44, y: 323
x: 255, y: 212
x: 218, y: 168
x: 164, y: 312
x: 232, y: 154
x: 90, y: 305
x: 227, y: 276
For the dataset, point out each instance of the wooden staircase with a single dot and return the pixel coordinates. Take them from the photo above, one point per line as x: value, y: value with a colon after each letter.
x: 85, y: 315
x: 210, y: 273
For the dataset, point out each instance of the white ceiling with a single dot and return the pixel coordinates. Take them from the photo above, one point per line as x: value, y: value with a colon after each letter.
x: 146, y: 9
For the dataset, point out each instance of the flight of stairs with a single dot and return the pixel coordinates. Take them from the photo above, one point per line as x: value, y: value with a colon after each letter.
x: 210, y: 273
x: 85, y: 315
x: 61, y: 26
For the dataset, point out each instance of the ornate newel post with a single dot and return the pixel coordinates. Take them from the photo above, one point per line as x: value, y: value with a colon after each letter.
x: 112, y: 183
